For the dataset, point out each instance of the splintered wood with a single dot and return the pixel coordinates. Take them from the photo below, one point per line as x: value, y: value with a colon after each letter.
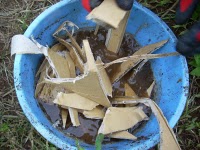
x: 90, y: 92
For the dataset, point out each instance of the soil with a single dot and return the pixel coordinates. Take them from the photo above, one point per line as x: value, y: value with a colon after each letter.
x: 140, y: 82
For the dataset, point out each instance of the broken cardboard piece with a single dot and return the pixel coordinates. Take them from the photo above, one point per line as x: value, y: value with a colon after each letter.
x: 71, y: 65
x: 42, y: 67
x: 103, y: 13
x: 125, y: 67
x: 74, y: 54
x: 104, y: 78
x: 115, y: 36
x: 141, y: 56
x: 87, y: 85
x: 59, y: 62
x: 129, y: 92
x: 47, y: 92
x: 64, y: 29
x: 122, y: 135
x: 150, y: 89
x: 74, y: 116
x: 168, y: 139
x: 64, y: 115
x: 74, y: 100
x: 20, y: 44
x: 96, y: 113
x: 119, y: 119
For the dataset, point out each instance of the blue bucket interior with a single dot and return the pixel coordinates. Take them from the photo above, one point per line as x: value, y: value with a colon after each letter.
x: 171, y: 73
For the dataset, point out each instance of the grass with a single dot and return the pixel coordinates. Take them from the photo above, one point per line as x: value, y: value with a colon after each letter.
x: 15, y: 130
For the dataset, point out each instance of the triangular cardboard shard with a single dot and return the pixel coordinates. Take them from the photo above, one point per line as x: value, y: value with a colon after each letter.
x: 88, y: 85
x: 96, y: 113
x: 104, y: 78
x: 122, y: 135
x: 128, y: 65
x: 167, y: 136
x: 74, y: 116
x: 119, y: 119
x: 129, y: 91
x: 74, y: 100
x: 150, y: 89
x: 64, y: 115
x: 103, y: 13
x: 115, y: 36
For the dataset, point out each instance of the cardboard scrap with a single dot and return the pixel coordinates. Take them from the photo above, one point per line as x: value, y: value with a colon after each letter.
x: 64, y: 29
x: 122, y: 135
x: 47, y: 92
x: 74, y: 100
x: 115, y: 36
x: 96, y: 113
x: 42, y: 67
x: 74, y: 116
x: 104, y: 78
x: 74, y: 54
x: 128, y: 65
x: 87, y: 85
x: 168, y: 139
x: 119, y: 119
x: 71, y: 65
x: 150, y: 89
x: 20, y: 44
x: 103, y: 13
x: 129, y: 92
x: 122, y: 99
x: 140, y: 56
x: 64, y: 115
x: 59, y: 62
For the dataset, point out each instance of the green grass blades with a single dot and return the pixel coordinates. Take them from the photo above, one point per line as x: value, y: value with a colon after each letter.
x: 98, y: 142
x: 196, y: 64
x: 78, y: 145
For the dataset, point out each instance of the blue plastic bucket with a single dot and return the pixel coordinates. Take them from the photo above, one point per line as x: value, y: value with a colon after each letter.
x: 171, y: 73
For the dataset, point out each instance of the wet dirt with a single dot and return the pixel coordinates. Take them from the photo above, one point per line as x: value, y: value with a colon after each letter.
x: 88, y: 129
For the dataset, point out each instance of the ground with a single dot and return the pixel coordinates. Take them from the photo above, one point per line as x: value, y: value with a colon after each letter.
x: 15, y: 130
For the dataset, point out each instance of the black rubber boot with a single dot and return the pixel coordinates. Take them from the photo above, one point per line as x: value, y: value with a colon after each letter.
x: 189, y: 43
x: 185, y: 10
x: 125, y: 4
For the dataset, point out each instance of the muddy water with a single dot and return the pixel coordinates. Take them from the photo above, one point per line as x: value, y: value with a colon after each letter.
x: 88, y: 129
